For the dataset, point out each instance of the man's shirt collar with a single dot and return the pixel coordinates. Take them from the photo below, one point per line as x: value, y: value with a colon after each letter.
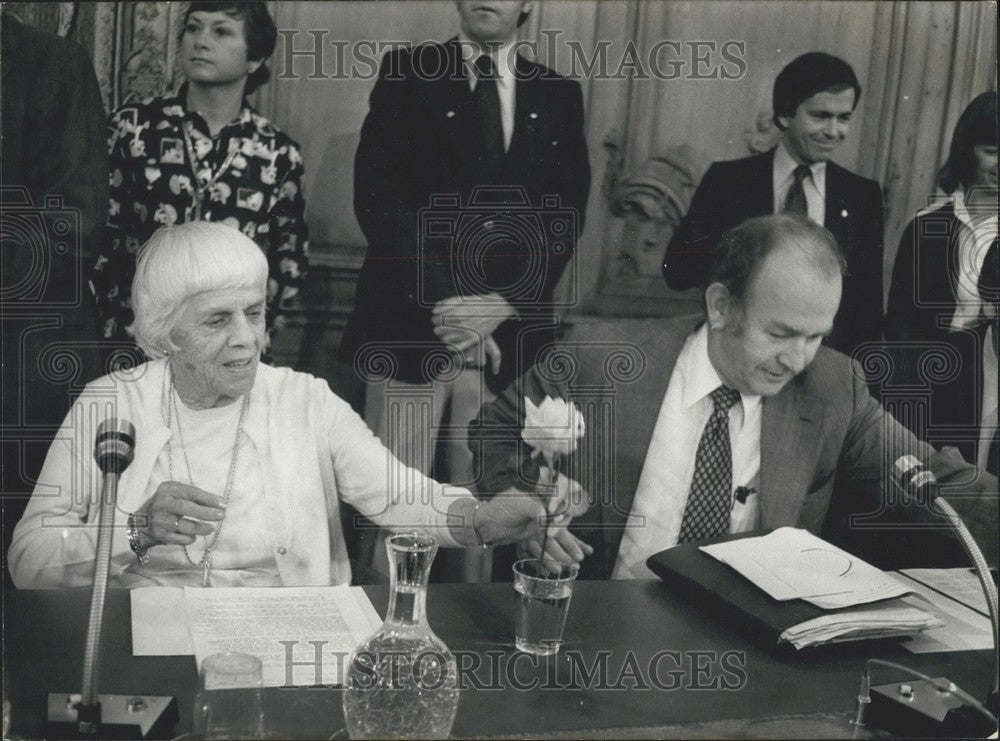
x: 785, y: 164
x: 700, y: 376
x: 504, y: 58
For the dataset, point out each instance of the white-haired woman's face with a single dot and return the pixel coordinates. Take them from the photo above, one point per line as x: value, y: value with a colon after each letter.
x: 220, y: 335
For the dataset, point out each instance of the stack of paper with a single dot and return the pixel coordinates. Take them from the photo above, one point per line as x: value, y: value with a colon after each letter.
x: 864, y: 602
x: 883, y: 620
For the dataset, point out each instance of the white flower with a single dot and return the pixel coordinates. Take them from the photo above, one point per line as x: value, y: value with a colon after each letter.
x: 553, y: 427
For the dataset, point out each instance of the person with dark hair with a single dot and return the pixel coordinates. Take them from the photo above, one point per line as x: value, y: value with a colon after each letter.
x: 814, y: 98
x: 204, y: 154
x: 481, y: 151
x: 940, y: 292
x: 723, y: 423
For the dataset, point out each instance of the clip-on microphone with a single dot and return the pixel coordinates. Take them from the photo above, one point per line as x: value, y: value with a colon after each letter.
x: 89, y: 715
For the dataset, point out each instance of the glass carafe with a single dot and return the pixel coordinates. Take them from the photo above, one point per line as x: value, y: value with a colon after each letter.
x: 402, y: 681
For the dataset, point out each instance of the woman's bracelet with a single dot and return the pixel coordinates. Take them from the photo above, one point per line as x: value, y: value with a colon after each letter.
x: 133, y: 542
x: 482, y: 543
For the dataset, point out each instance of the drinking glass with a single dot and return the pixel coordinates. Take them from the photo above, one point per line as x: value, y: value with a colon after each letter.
x: 543, y: 598
x: 229, y: 701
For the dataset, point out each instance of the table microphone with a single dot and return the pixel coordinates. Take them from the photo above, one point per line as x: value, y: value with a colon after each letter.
x: 929, y: 704
x: 89, y: 715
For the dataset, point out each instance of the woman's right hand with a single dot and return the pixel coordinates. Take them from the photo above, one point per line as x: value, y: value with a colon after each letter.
x: 176, y: 513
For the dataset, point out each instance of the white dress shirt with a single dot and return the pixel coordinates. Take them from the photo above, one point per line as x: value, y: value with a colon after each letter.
x: 504, y: 62
x: 662, y: 493
x: 814, y: 186
x: 978, y: 230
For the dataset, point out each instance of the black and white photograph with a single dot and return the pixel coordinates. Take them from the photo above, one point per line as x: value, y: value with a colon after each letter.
x: 568, y: 369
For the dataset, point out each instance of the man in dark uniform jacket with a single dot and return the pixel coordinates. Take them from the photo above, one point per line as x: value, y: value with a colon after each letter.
x: 499, y: 159
x: 470, y: 184
x: 814, y: 98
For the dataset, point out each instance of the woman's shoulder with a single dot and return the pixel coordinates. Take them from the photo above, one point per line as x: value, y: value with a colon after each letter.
x: 148, y: 109
x: 128, y: 389
x: 936, y: 212
x: 288, y: 386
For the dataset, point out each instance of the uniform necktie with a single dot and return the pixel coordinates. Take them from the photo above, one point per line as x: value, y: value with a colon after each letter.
x: 795, y: 202
x: 487, y: 101
x: 707, y: 512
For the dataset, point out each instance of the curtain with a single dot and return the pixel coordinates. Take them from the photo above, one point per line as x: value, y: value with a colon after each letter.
x: 920, y: 63
x: 932, y: 60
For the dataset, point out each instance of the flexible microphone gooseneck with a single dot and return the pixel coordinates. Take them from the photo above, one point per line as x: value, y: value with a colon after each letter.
x: 113, y: 450
x: 90, y: 715
x: 919, y: 485
x: 931, y: 705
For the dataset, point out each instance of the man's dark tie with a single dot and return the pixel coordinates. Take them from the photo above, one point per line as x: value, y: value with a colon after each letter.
x: 488, y: 105
x: 795, y: 202
x: 707, y: 512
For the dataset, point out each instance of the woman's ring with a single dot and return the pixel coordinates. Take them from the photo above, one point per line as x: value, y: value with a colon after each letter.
x: 177, y: 524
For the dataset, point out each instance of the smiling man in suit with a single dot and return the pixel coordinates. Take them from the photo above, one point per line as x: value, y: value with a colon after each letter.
x: 738, y: 420
x: 814, y: 99
x: 470, y: 184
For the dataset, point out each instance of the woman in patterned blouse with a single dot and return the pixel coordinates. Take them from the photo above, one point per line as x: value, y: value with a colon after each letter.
x: 205, y: 154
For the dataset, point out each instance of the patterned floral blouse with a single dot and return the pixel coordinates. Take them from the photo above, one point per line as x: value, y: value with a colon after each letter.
x: 166, y: 168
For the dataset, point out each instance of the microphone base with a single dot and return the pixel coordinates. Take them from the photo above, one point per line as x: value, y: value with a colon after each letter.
x: 916, y: 708
x: 115, y: 716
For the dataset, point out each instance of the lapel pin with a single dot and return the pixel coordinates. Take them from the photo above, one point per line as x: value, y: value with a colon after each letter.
x: 843, y: 213
x: 532, y: 115
x: 450, y: 114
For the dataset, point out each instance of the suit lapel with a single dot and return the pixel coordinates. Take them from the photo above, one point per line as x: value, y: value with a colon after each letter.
x: 789, y: 445
x: 756, y: 201
x: 636, y: 412
x: 457, y: 113
x: 529, y: 110
x: 838, y: 214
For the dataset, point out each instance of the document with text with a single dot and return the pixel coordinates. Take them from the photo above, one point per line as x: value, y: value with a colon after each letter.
x: 302, y: 635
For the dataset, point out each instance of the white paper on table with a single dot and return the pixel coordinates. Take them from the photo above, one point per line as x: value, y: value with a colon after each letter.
x: 964, y: 629
x: 961, y: 584
x: 258, y: 620
x: 159, y: 622
x: 790, y: 563
x: 160, y: 625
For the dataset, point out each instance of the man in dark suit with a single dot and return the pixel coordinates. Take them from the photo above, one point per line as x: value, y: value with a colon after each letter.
x: 471, y: 180
x: 437, y: 131
x: 814, y: 97
x: 697, y: 428
x: 53, y: 206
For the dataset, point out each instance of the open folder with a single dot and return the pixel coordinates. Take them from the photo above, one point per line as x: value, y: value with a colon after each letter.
x: 793, y: 623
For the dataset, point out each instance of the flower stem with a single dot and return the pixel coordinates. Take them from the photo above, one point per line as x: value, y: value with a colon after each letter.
x: 549, y: 517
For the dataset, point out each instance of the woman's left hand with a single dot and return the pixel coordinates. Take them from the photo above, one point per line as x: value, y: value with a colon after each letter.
x: 562, y: 548
x: 515, y: 516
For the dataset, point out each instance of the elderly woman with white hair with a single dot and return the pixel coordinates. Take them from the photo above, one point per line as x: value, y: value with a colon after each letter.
x: 239, y: 468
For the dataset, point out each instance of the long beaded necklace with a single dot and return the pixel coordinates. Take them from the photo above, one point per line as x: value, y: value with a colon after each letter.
x: 172, y: 412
